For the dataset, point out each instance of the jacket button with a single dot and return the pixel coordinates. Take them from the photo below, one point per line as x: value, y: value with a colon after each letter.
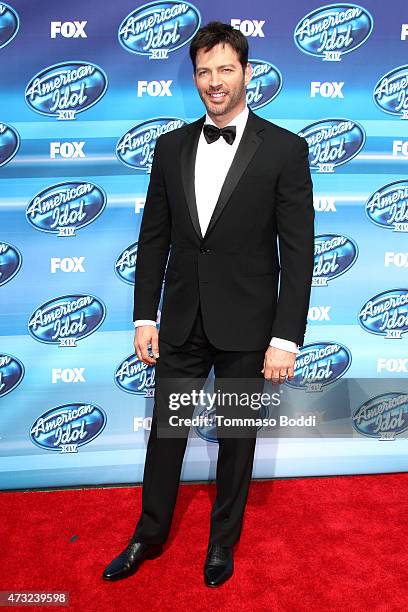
x: 204, y: 250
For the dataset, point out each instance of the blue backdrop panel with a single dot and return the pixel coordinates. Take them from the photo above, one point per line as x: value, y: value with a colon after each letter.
x: 85, y: 92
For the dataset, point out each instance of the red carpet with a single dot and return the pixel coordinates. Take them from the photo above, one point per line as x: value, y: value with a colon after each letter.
x: 308, y: 544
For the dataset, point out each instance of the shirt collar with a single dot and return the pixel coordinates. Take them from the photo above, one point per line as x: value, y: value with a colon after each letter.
x: 239, y: 120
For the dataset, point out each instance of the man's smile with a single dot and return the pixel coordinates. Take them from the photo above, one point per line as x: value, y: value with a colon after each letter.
x: 217, y: 95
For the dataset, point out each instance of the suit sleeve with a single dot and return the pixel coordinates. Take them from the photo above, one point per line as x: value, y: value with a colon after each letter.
x: 295, y: 225
x: 153, y: 245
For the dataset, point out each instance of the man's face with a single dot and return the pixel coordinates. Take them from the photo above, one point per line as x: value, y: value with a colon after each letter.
x: 220, y: 80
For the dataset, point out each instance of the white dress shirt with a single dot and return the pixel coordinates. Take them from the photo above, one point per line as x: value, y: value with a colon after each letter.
x: 214, y: 160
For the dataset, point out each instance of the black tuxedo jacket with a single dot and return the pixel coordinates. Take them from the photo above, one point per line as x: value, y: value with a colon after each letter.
x: 235, y: 269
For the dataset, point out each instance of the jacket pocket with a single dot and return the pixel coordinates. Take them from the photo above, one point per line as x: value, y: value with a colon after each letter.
x: 261, y: 267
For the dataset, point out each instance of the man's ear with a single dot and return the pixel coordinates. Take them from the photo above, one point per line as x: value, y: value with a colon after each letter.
x: 248, y: 73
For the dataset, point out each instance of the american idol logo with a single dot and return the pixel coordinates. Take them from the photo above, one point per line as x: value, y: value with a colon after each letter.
x: 334, y: 254
x: 11, y: 373
x: 320, y: 364
x: 65, y: 428
x: 391, y: 92
x: 66, y: 319
x: 65, y: 89
x: 383, y: 416
x: 125, y: 264
x: 66, y: 207
x: 386, y: 314
x: 333, y: 142
x: 388, y: 206
x: 333, y: 30
x: 265, y: 84
x: 157, y: 28
x: 9, y: 143
x: 136, y: 147
x: 135, y: 376
x: 10, y: 262
x: 9, y: 24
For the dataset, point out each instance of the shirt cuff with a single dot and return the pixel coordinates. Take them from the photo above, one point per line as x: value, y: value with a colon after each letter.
x: 139, y: 322
x: 284, y: 345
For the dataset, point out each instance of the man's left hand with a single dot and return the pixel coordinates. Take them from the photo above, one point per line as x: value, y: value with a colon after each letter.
x: 278, y: 365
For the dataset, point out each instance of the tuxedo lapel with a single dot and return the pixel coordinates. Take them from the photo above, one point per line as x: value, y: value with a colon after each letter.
x: 187, y: 159
x: 247, y: 147
x: 250, y: 141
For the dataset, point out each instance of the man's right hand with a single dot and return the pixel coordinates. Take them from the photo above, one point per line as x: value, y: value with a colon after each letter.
x: 145, y: 335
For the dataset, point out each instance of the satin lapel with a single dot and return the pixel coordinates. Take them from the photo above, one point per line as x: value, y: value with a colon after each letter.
x: 247, y: 147
x: 187, y: 158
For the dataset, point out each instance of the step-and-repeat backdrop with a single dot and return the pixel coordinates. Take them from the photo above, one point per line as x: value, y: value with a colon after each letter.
x: 85, y: 90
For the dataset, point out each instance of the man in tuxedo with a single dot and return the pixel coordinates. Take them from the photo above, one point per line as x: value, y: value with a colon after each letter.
x: 229, y: 208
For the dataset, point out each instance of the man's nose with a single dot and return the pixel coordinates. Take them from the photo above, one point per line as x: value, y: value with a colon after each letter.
x: 215, y: 80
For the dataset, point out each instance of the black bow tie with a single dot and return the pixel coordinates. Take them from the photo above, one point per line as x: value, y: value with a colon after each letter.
x: 212, y: 133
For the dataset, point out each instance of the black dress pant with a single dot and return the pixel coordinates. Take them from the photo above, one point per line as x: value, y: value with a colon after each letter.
x: 164, y: 456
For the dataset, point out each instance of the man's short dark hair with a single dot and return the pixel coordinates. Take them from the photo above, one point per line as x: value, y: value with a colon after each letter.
x: 216, y: 32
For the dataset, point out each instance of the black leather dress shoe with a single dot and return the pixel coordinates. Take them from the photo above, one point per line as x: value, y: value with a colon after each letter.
x: 129, y: 560
x: 219, y: 565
